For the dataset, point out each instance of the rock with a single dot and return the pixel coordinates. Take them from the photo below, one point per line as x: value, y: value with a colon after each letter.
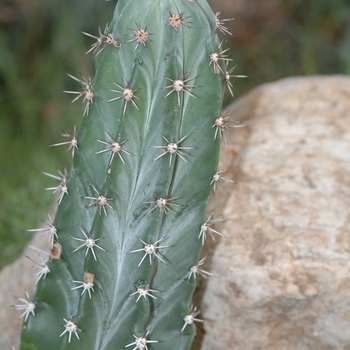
x: 283, y: 273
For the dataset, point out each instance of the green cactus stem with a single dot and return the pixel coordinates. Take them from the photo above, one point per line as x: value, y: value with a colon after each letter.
x: 132, y: 218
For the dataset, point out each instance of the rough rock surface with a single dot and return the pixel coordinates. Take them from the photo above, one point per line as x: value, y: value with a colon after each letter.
x: 284, y: 271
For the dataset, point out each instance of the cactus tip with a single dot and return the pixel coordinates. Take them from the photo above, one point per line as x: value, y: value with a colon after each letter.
x: 150, y: 249
x: 70, y: 327
x: 28, y: 306
x: 89, y: 243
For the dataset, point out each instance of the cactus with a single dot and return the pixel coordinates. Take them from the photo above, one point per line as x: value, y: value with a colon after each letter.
x: 126, y: 239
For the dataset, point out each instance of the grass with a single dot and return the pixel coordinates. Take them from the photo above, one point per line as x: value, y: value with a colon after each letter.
x: 41, y: 40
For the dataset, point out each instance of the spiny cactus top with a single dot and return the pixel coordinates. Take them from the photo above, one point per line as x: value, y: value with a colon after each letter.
x: 131, y: 220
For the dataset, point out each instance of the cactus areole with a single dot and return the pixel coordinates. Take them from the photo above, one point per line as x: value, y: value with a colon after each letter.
x: 128, y: 229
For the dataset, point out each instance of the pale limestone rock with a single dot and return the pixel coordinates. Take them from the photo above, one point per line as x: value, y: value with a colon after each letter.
x: 284, y: 271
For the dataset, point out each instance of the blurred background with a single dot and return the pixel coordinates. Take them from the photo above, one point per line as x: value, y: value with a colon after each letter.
x: 41, y: 41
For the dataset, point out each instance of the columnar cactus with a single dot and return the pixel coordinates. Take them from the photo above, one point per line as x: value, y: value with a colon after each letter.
x: 131, y: 221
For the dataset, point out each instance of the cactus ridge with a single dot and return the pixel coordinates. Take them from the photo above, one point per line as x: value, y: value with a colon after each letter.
x: 140, y: 200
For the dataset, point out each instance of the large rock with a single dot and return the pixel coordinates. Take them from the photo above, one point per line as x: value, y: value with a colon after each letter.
x: 284, y: 271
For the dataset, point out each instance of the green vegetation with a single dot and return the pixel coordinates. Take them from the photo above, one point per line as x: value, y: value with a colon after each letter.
x: 41, y: 39
x: 131, y: 219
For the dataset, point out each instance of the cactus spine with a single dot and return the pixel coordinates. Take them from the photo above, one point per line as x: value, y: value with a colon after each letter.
x: 131, y: 221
